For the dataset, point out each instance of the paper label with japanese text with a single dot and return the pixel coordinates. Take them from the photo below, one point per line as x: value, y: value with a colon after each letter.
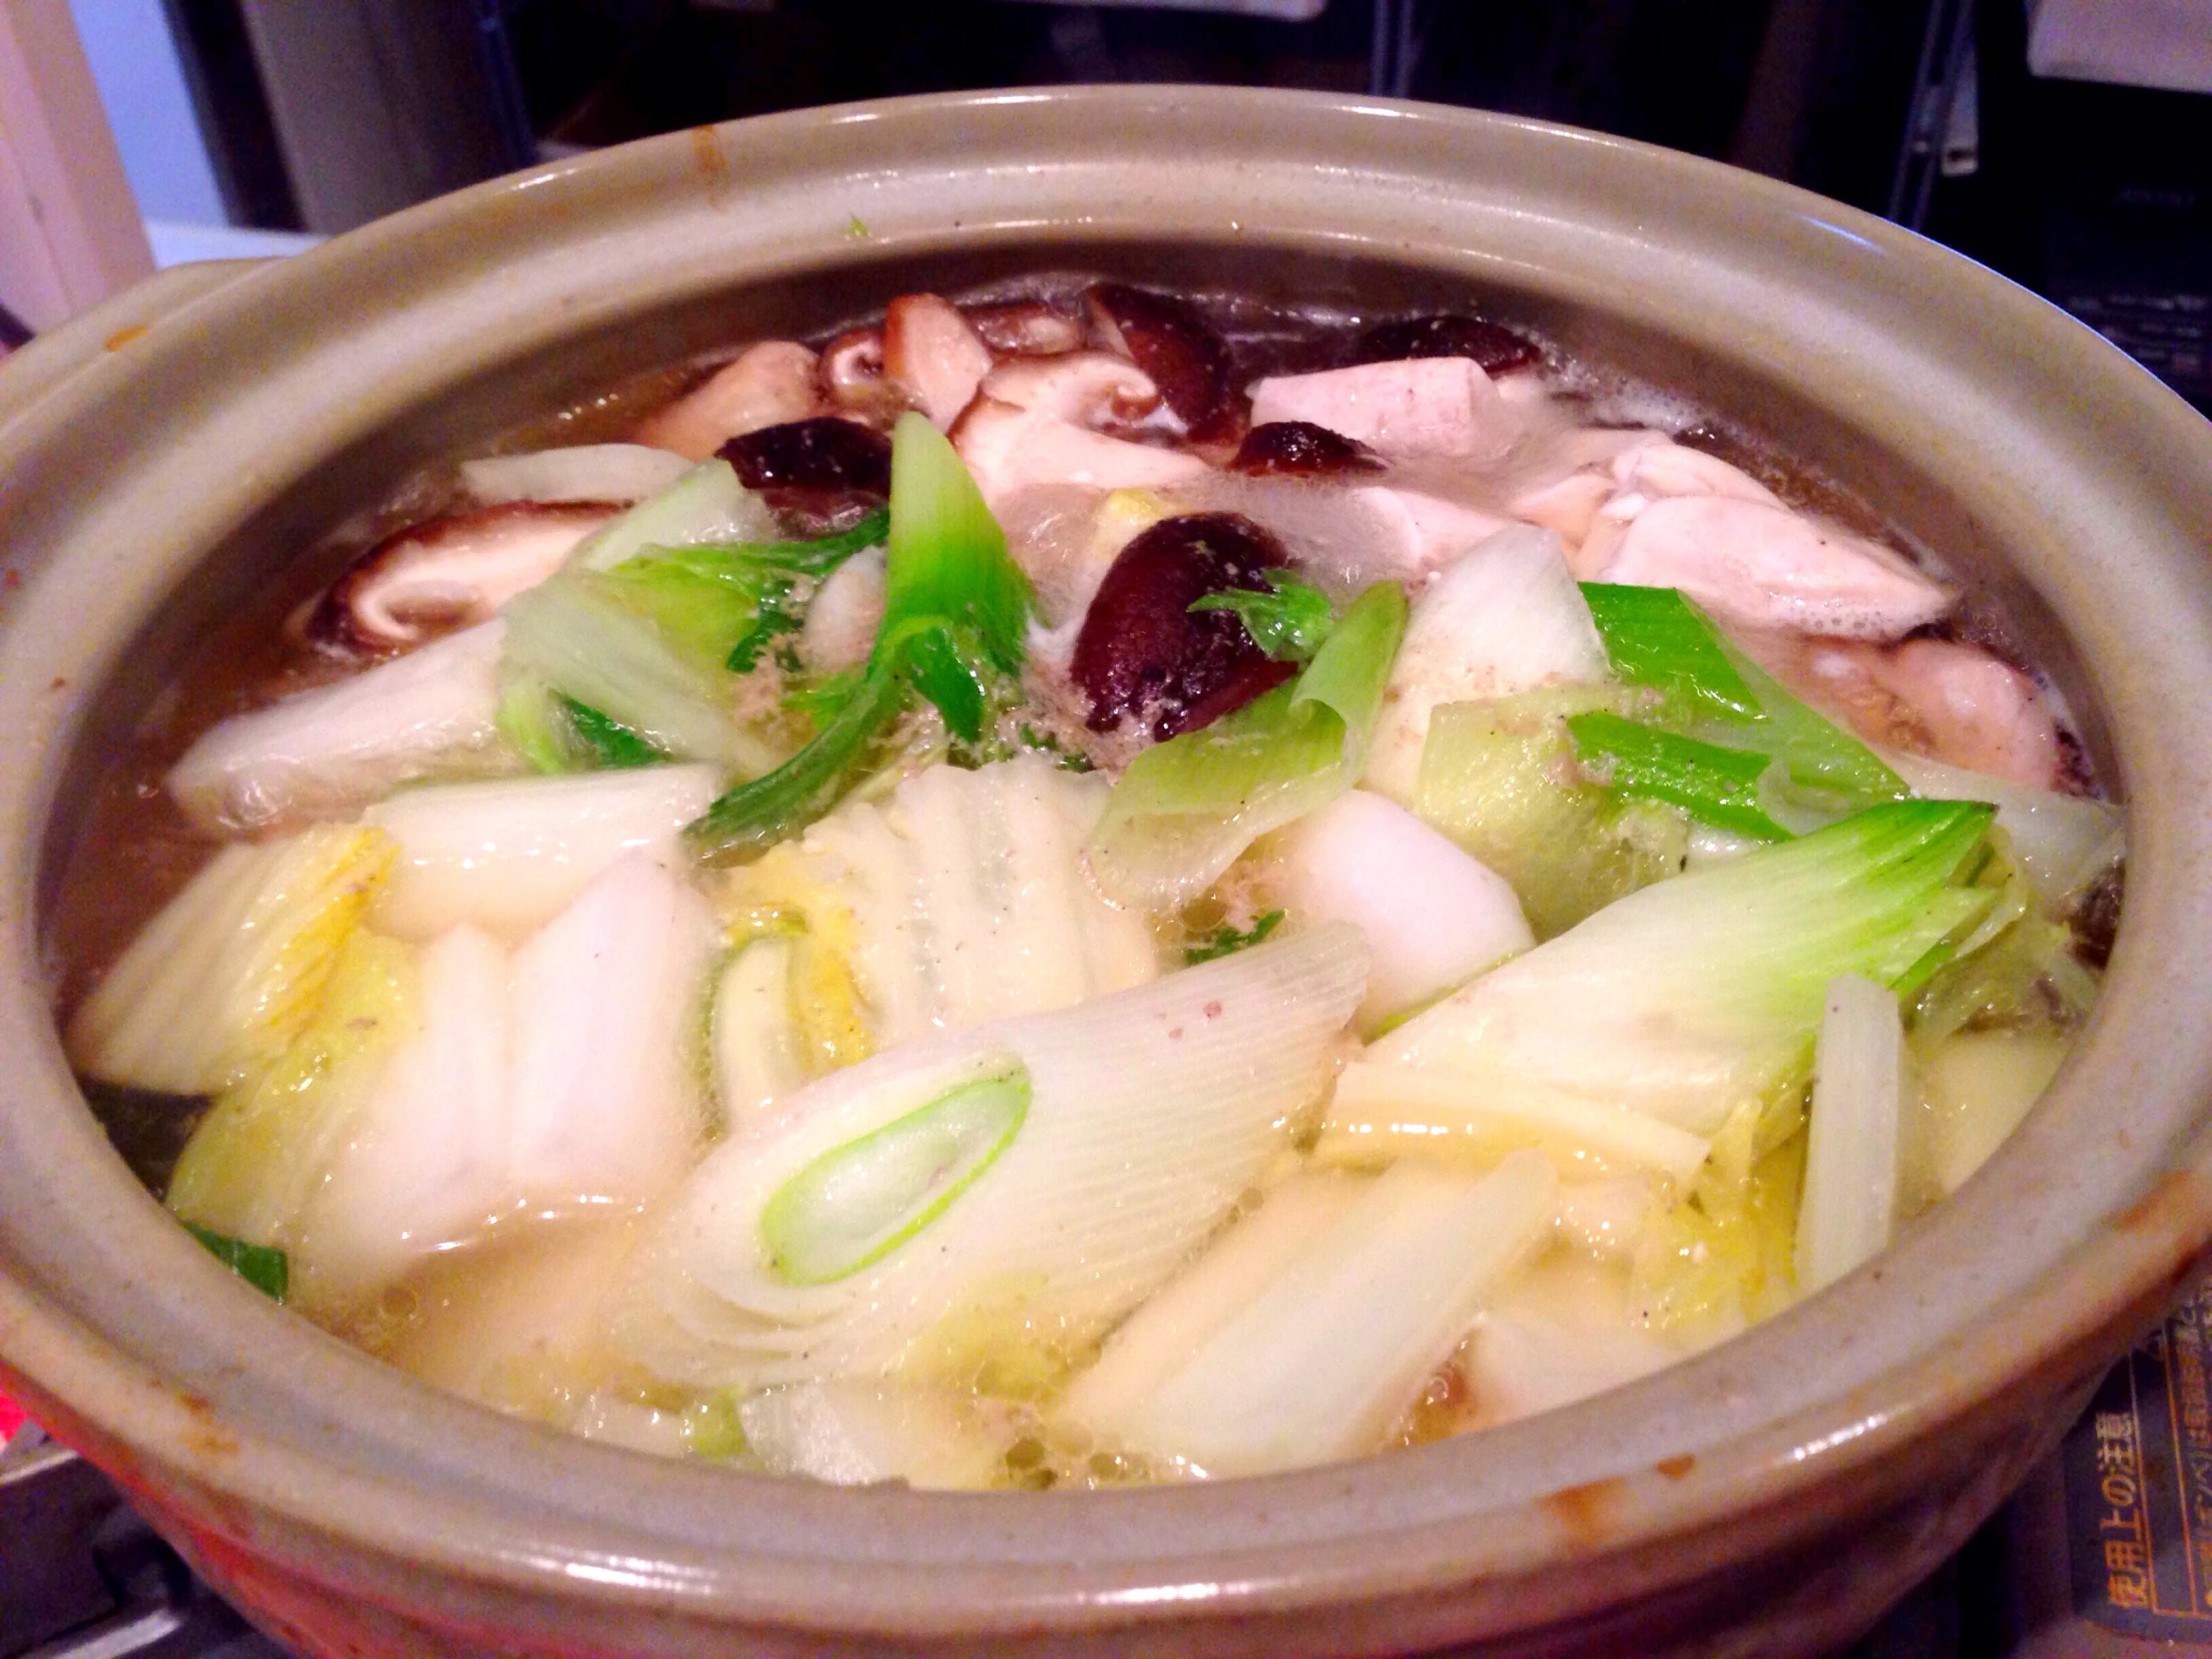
x: 2139, y: 1487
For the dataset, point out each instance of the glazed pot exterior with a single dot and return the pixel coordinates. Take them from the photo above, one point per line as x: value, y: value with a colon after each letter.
x: 1769, y: 1496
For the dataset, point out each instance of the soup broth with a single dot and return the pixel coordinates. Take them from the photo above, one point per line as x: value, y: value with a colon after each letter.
x: 1079, y: 885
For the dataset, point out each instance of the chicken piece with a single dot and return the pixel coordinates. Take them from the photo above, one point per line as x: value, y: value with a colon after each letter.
x: 1421, y: 406
x: 1575, y: 474
x: 933, y: 355
x: 767, y: 385
x: 1954, y: 702
x: 1434, y: 917
x: 1659, y: 470
x: 1759, y: 566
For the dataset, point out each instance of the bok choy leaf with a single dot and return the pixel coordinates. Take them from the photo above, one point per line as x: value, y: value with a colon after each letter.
x: 1654, y: 636
x: 1658, y: 639
x: 644, y: 654
x: 1696, y: 1000
x: 955, y: 606
x: 1715, y: 785
x: 1500, y: 778
x: 706, y: 503
x: 1187, y: 807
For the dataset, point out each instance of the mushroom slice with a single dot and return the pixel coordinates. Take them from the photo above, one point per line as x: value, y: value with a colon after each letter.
x: 448, y: 573
x: 1300, y: 449
x: 932, y: 355
x: 1089, y: 388
x: 853, y: 376
x: 767, y: 385
x: 1497, y: 349
x: 1170, y: 342
x: 1026, y: 328
x: 1010, y: 449
x: 825, y: 452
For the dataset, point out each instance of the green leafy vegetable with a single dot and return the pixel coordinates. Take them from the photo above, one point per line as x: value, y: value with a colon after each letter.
x: 1185, y: 808
x: 1828, y: 772
x: 623, y: 663
x: 856, y: 1204
x: 263, y: 1267
x: 638, y: 650
x: 612, y: 744
x: 946, y: 563
x: 557, y: 733
x: 773, y: 618
x: 1500, y: 778
x: 1715, y: 785
x: 738, y: 560
x: 955, y: 610
x: 1657, y: 638
x: 1288, y: 622
x: 706, y: 504
x: 756, y: 813
x: 1069, y: 759
x: 1696, y: 1000
x: 955, y: 604
x: 1225, y: 941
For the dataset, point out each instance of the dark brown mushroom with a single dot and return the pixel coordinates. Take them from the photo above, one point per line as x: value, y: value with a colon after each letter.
x: 818, y: 476
x: 1497, y: 349
x: 827, y: 452
x: 1143, y: 654
x: 1300, y: 449
x: 448, y: 573
x: 1176, y: 346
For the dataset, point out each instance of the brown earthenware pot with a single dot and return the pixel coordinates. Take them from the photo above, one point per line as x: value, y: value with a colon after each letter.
x: 161, y: 456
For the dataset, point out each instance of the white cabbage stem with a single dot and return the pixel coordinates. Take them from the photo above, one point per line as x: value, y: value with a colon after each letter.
x: 1327, y: 1350
x: 1849, y: 1209
x: 326, y: 752
x: 618, y: 472
x: 509, y: 855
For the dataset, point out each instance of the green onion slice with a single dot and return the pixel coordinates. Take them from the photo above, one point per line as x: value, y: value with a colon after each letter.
x: 857, y: 1203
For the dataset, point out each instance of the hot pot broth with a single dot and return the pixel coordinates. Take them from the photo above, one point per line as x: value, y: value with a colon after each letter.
x: 1089, y: 887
